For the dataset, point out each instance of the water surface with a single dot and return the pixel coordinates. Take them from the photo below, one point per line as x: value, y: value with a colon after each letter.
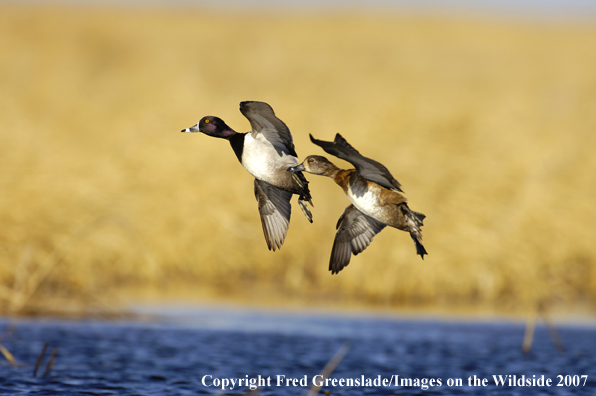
x: 190, y: 351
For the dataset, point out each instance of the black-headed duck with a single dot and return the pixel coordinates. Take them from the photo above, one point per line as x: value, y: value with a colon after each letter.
x: 375, y: 196
x: 266, y: 153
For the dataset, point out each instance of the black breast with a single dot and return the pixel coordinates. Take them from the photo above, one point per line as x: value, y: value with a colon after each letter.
x: 237, y: 143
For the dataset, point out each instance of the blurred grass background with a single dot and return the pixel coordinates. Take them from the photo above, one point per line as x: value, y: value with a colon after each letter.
x: 489, y: 125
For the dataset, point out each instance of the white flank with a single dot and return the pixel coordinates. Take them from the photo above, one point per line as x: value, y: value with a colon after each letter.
x: 261, y: 160
x: 368, y: 203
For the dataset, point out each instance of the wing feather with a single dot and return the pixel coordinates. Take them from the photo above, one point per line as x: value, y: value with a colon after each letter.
x: 263, y: 121
x: 355, y: 231
x: 275, y: 211
x: 366, y: 167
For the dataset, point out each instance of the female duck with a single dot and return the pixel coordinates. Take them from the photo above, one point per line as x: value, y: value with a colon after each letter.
x: 265, y: 153
x: 375, y: 196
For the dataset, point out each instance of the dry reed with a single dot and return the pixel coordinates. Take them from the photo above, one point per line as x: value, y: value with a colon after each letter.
x: 328, y: 369
x: 489, y: 126
x: 51, y: 363
x: 40, y: 358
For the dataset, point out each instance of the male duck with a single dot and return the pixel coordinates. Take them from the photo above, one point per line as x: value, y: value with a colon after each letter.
x: 266, y: 153
x: 375, y: 197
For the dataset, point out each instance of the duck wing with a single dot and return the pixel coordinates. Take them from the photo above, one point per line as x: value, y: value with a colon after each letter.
x: 275, y: 211
x: 366, y: 167
x: 263, y: 120
x: 355, y: 232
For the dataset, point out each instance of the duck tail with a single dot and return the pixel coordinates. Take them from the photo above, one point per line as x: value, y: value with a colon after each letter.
x: 303, y: 186
x: 305, y: 209
x: 417, y: 237
x: 415, y: 220
x: 304, y: 193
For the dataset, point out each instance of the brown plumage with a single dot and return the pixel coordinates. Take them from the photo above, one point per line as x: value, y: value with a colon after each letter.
x: 376, y: 201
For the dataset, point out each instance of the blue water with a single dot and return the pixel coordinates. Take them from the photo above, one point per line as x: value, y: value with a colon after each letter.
x: 190, y: 351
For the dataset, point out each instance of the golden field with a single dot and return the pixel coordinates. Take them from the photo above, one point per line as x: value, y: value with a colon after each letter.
x: 489, y: 125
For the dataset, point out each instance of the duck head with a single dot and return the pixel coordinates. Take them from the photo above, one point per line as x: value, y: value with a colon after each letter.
x: 212, y: 126
x: 317, y: 165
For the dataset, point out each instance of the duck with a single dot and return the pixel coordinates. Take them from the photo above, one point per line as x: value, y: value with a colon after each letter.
x: 266, y: 153
x: 376, y: 201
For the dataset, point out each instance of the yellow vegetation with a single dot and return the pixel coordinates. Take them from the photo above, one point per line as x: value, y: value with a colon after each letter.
x: 489, y: 126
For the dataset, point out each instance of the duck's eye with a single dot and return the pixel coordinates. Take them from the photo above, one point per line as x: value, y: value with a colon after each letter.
x: 207, y: 121
x: 311, y: 160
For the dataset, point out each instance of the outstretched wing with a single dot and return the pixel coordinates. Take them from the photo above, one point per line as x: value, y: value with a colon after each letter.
x: 263, y: 120
x: 275, y: 211
x: 366, y: 167
x: 355, y: 232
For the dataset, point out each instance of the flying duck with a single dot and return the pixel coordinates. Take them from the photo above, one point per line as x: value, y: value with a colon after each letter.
x: 375, y: 196
x: 266, y: 153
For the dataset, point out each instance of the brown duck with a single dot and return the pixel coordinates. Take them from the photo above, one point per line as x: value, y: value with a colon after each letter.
x: 375, y: 196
